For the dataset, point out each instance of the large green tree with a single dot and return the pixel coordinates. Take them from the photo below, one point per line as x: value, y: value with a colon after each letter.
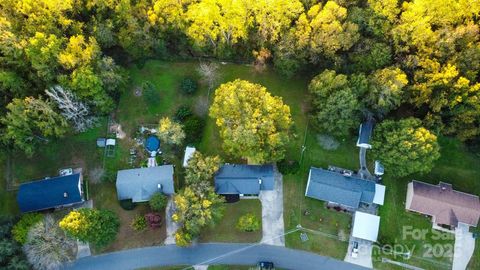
x: 336, y: 109
x: 253, y: 124
x: 405, y: 147
x: 31, y: 120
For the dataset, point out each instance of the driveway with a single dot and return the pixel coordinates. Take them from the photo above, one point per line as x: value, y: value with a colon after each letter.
x: 272, y: 213
x: 464, y: 247
x: 171, y: 226
x: 203, y: 254
x: 363, y: 171
x: 364, y: 257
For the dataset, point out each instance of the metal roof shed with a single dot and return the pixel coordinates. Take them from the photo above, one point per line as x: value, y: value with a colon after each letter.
x: 365, y: 226
x: 188, y: 155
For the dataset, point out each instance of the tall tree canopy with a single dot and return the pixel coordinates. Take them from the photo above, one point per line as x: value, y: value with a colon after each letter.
x: 405, y: 147
x: 31, y: 120
x: 253, y: 124
x: 335, y: 103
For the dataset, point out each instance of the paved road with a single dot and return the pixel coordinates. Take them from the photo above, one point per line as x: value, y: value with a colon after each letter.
x: 203, y: 254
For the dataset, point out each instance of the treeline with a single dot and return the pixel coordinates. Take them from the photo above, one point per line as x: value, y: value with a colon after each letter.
x: 423, y: 54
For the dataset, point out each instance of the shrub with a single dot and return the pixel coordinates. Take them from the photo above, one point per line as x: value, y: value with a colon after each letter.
x: 193, y: 127
x: 139, y: 223
x: 98, y: 227
x: 154, y: 220
x: 188, y: 86
x: 249, y: 223
x: 158, y: 201
x: 127, y: 204
x: 150, y: 94
x: 182, y: 113
x: 21, y: 229
x: 288, y: 166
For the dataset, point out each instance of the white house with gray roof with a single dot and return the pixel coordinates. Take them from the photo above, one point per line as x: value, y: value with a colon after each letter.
x: 141, y: 183
x: 241, y: 179
x: 346, y: 191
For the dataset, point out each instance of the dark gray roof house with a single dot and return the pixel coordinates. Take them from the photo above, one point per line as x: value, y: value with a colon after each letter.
x: 244, y: 179
x: 341, y: 189
x: 364, y: 134
x: 140, y: 184
x: 50, y: 193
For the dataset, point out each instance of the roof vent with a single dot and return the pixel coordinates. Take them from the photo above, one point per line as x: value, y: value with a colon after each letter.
x: 159, y: 186
x: 65, y: 194
x: 259, y: 181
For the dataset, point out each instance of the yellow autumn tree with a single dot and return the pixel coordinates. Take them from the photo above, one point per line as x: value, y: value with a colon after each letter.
x: 79, y: 52
x: 326, y: 30
x: 253, y: 124
x: 218, y: 22
x: 170, y: 132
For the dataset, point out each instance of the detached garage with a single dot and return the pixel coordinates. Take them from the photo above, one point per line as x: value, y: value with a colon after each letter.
x: 365, y: 226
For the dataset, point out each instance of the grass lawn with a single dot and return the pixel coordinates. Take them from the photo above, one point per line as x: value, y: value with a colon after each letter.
x: 226, y: 231
x: 105, y: 197
x: 456, y: 166
x: 328, y: 223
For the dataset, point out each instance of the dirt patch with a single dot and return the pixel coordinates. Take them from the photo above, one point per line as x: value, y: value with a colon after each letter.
x: 95, y: 175
x: 117, y: 130
x: 201, y: 107
x: 327, y: 142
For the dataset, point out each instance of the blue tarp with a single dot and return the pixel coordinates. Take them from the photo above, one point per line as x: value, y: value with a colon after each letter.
x: 49, y: 193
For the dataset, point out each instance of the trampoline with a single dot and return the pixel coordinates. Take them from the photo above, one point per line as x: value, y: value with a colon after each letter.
x: 152, y: 144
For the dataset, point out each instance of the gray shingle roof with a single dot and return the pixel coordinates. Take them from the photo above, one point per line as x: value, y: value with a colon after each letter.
x: 244, y: 179
x: 334, y: 187
x: 140, y: 184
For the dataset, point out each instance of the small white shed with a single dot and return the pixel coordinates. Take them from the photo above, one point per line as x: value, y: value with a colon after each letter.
x: 188, y: 155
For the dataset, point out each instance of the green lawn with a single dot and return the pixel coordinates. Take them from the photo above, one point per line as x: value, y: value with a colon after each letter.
x: 328, y: 223
x: 226, y: 231
x: 456, y: 166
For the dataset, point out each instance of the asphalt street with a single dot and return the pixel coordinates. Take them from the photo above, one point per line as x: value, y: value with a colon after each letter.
x: 212, y: 253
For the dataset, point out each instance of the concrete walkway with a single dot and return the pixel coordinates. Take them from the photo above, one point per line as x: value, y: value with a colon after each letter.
x: 171, y: 226
x: 273, y: 228
x: 464, y: 247
x: 211, y: 254
x: 83, y: 249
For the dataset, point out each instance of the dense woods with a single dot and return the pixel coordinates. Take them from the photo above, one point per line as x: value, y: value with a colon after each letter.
x: 417, y: 58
